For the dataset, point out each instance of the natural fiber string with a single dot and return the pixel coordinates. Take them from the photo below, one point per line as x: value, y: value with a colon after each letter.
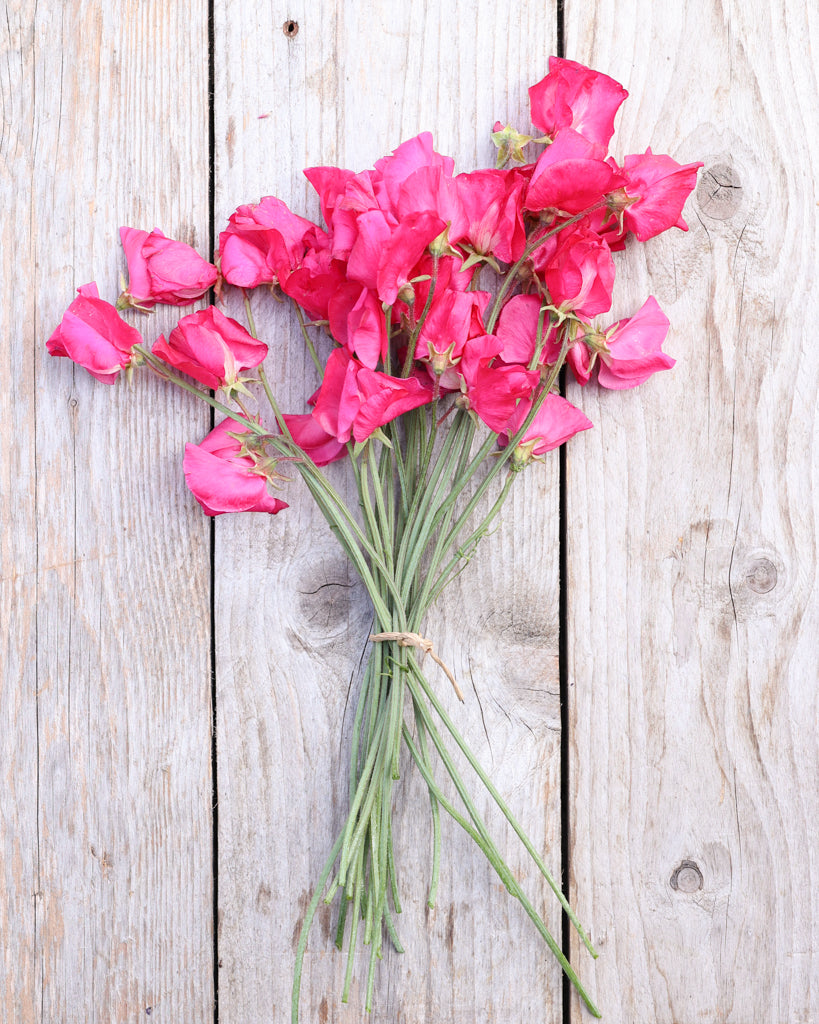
x: 424, y: 644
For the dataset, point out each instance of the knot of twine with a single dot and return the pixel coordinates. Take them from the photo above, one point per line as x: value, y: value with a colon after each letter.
x: 424, y: 644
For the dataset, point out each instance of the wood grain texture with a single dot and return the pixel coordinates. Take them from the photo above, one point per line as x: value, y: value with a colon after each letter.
x: 105, y: 806
x: 694, y: 612
x: 356, y: 80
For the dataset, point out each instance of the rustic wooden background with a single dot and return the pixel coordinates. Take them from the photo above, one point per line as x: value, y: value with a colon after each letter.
x: 692, y: 631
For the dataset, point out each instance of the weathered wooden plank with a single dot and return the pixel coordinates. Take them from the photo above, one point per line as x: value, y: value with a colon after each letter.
x: 693, y: 539
x: 356, y: 80
x: 105, y: 857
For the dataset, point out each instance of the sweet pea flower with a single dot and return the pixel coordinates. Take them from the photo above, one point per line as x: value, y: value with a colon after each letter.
x: 390, y: 172
x: 357, y: 322
x: 309, y: 435
x: 572, y: 175
x: 492, y: 201
x: 453, y: 318
x: 162, y: 270
x: 555, y: 422
x: 655, y: 190
x: 354, y: 401
x: 210, y: 347
x: 517, y: 331
x: 577, y: 268
x: 222, y: 480
x: 264, y: 242
x: 94, y: 335
x: 403, y: 250
x: 632, y: 351
x: 490, y: 391
x: 574, y: 96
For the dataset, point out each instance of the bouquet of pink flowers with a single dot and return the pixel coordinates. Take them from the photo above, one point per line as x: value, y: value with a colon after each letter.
x: 439, y: 310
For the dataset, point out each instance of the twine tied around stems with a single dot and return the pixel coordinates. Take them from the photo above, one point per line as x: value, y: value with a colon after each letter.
x: 424, y: 644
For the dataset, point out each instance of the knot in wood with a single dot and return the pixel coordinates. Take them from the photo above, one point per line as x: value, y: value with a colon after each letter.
x: 761, y: 575
x: 719, y: 192
x: 687, y: 877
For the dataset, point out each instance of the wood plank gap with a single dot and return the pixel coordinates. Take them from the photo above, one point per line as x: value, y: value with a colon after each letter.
x: 565, y: 759
x: 214, y: 758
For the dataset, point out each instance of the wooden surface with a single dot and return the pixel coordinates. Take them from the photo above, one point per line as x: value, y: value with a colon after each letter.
x: 691, y: 564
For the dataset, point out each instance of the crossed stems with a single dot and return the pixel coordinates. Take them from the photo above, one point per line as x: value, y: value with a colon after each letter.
x: 411, y: 547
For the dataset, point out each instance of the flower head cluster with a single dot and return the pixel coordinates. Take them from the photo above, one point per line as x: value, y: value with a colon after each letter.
x: 396, y: 276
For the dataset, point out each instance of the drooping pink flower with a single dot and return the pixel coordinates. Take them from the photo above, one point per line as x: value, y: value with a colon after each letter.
x: 222, y: 480
x: 330, y: 183
x: 453, y: 318
x: 517, y: 331
x: 577, y: 268
x: 374, y: 232
x: 357, y: 322
x: 633, y: 348
x: 354, y: 400
x: 162, y: 270
x: 94, y: 335
x: 555, y: 422
x: 314, y: 283
x: 574, y: 96
x: 403, y: 250
x: 491, y: 390
x: 210, y: 347
x: 571, y: 175
x: 660, y: 187
x: 309, y: 435
x: 390, y: 172
x: 493, y: 204
x: 430, y: 189
x: 264, y: 242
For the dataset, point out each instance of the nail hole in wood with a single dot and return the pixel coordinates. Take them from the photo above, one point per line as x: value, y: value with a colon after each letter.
x: 290, y: 29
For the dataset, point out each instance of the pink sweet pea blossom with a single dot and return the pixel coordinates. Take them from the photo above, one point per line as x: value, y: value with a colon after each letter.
x: 571, y: 175
x: 392, y: 171
x: 357, y: 322
x: 94, y: 335
x: 453, y: 318
x: 210, y: 347
x: 574, y: 96
x: 656, y: 188
x: 555, y: 422
x: 308, y: 434
x: 517, y: 331
x: 264, y: 243
x: 493, y: 392
x: 403, y: 250
x: 493, y: 204
x: 221, y: 479
x: 162, y: 270
x: 633, y: 348
x: 353, y: 400
x: 577, y: 268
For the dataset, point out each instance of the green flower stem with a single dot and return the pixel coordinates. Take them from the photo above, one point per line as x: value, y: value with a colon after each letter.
x: 434, y: 802
x: 305, y: 927
x: 396, y: 899
x: 164, y: 371
x: 413, y: 341
x: 501, y: 459
x: 512, y: 273
x: 423, y: 496
x: 432, y: 590
x: 355, y: 916
x: 429, y: 693
x: 308, y: 341
x: 495, y: 859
